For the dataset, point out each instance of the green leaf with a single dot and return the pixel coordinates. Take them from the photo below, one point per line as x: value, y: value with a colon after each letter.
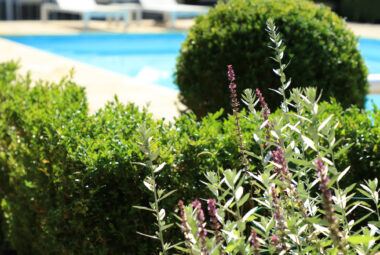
x: 243, y: 200
x: 229, y: 177
x: 160, y: 167
x: 149, y: 186
x: 231, y: 247
x: 29, y: 184
x: 143, y: 208
x: 249, y: 213
x: 342, y: 174
x: 309, y: 142
x: 239, y: 193
x: 162, y: 214
x: 153, y: 237
x: 360, y: 239
x: 375, y: 223
x: 324, y: 123
x: 167, y: 226
x: 166, y: 195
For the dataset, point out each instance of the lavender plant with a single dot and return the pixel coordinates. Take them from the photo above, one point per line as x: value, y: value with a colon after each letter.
x: 298, y: 206
x: 146, y: 145
x: 291, y: 214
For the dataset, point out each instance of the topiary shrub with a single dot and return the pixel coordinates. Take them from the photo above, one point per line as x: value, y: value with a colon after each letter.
x: 322, y: 51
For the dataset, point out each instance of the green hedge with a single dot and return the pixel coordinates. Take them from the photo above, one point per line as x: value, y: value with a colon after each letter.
x: 68, y: 181
x: 321, y: 49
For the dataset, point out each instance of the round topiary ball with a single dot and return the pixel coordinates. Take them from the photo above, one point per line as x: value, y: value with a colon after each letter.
x: 321, y: 49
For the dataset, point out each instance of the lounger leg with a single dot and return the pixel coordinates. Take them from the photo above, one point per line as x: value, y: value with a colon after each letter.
x: 172, y: 18
x: 86, y: 20
x: 44, y: 12
x: 126, y: 16
x: 138, y: 17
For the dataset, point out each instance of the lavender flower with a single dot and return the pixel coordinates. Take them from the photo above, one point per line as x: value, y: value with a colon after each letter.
x: 183, y: 216
x: 254, y: 242
x: 232, y: 86
x: 185, y: 229
x: 212, y: 211
x: 279, y: 218
x: 336, y: 235
x: 235, y: 109
x: 202, y: 232
x: 266, y: 112
x: 263, y: 104
x: 275, y: 240
x: 277, y: 210
x: 282, y: 170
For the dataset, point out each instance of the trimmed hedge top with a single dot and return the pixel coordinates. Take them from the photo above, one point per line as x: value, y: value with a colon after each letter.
x: 322, y: 53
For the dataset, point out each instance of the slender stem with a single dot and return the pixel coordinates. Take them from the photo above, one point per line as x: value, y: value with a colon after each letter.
x: 160, y: 234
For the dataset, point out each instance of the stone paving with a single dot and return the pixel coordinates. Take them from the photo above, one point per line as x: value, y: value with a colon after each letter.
x: 102, y: 85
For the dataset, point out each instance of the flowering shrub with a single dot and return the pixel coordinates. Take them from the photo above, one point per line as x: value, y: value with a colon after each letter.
x: 280, y: 202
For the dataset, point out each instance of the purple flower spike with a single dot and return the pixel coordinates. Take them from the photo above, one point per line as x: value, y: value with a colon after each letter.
x: 337, y: 236
x: 212, y: 211
x: 232, y: 86
x: 183, y: 216
x: 254, y: 242
x: 266, y: 112
x: 235, y: 110
x: 202, y: 232
x: 279, y: 158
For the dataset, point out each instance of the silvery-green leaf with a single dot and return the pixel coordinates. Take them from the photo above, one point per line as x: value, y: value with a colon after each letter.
x: 228, y: 203
x: 159, y: 168
x: 167, y: 194
x: 239, y: 193
x: 281, y: 55
x: 342, y: 174
x: 143, y: 208
x: 305, y: 99
x: 309, y: 142
x: 149, y: 186
x: 162, y: 214
x: 288, y: 83
x: 301, y: 117
x: 237, y: 177
x: 274, y: 134
x: 327, y: 161
x: 229, y: 178
x: 264, y: 124
x: 267, y: 157
x: 153, y: 237
x: 324, y: 123
x: 243, y: 200
x: 315, y: 108
x: 249, y: 213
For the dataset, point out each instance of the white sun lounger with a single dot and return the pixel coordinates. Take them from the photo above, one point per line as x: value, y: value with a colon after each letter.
x: 90, y: 9
x: 173, y: 10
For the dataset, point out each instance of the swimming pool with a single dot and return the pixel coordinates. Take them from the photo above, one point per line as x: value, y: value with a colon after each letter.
x: 370, y: 50
x: 149, y: 58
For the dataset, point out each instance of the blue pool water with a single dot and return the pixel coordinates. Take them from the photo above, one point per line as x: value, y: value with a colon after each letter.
x: 370, y: 50
x: 148, y: 57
